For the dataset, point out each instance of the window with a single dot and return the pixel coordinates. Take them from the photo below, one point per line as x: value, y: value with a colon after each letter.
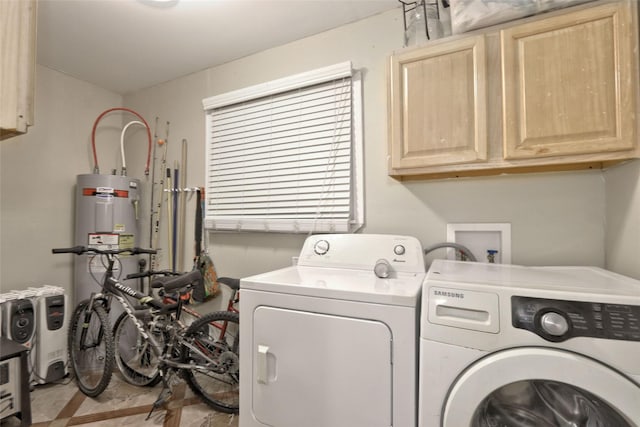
x: 286, y: 156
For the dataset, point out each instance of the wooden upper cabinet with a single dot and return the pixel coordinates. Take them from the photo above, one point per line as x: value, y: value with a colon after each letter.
x: 17, y: 65
x: 569, y: 84
x: 557, y: 91
x: 437, y: 100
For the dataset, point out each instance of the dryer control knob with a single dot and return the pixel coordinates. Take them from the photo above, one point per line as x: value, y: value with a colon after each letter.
x: 554, y: 324
x: 321, y: 247
x: 382, y: 269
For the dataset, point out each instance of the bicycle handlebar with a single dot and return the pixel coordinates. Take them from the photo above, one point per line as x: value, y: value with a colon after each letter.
x: 79, y: 250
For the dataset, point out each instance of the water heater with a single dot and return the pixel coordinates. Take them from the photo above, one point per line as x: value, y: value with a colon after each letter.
x: 107, y: 217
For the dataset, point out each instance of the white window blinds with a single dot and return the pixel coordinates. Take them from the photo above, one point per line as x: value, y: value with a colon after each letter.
x: 286, y: 156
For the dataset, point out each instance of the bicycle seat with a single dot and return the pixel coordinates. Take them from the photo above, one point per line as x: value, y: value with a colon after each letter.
x: 172, y: 283
x: 230, y: 282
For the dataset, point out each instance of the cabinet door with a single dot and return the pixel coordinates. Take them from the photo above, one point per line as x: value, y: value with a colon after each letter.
x: 438, y: 104
x: 317, y: 370
x: 17, y: 65
x: 569, y: 84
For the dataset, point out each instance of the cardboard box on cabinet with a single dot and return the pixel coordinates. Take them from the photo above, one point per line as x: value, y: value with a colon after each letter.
x: 467, y: 15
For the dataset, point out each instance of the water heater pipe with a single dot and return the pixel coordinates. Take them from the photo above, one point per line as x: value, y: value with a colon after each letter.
x: 96, y: 168
x: 124, y: 163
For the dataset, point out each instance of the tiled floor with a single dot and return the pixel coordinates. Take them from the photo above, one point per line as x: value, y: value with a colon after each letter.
x: 121, y: 404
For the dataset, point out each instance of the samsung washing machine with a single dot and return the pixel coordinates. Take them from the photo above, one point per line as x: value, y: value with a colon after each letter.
x: 332, y: 341
x: 504, y: 345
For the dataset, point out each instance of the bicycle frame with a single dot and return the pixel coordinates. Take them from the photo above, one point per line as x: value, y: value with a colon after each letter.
x: 231, y: 307
x: 117, y: 288
x: 113, y: 288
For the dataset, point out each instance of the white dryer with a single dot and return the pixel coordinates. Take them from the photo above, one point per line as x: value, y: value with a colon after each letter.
x: 332, y: 341
x: 504, y: 345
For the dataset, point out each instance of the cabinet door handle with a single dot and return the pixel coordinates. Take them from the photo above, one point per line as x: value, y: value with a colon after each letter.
x: 262, y: 374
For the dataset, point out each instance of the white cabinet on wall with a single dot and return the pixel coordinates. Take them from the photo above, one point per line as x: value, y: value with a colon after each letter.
x: 557, y: 91
x: 17, y: 66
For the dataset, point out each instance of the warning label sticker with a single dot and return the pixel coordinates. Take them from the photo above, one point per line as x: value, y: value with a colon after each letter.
x: 126, y: 241
x: 103, y: 240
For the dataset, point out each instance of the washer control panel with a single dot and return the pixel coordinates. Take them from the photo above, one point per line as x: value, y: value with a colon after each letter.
x: 559, y: 320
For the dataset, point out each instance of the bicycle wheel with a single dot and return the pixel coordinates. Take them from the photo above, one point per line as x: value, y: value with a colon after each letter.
x: 91, y: 348
x: 215, y: 376
x: 134, y: 356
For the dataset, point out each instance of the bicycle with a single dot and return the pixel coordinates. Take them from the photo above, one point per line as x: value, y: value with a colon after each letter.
x: 133, y: 355
x: 207, y: 364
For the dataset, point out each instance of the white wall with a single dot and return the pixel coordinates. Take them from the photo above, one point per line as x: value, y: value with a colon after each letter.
x: 557, y: 218
x: 623, y: 219
x: 37, y: 178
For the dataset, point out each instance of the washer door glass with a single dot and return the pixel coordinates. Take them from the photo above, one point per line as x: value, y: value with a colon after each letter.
x: 536, y: 386
x: 540, y: 403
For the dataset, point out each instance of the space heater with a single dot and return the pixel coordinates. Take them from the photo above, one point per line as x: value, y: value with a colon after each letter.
x: 37, y: 318
x: 50, y: 349
x: 19, y: 320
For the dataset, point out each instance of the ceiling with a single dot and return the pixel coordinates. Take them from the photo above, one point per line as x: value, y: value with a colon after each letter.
x: 127, y: 45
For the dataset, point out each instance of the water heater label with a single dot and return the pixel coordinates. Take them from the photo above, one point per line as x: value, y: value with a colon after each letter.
x: 95, y: 265
x: 103, y: 240
x: 127, y: 241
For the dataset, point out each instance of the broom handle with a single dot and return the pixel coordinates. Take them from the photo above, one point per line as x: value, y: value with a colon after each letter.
x: 198, y: 227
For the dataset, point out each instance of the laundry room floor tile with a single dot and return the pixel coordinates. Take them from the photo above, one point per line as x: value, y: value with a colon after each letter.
x: 121, y: 404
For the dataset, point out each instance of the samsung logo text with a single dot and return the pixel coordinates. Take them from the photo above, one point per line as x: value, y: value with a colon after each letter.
x: 449, y: 294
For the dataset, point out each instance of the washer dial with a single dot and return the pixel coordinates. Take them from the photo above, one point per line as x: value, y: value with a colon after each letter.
x: 554, y: 324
